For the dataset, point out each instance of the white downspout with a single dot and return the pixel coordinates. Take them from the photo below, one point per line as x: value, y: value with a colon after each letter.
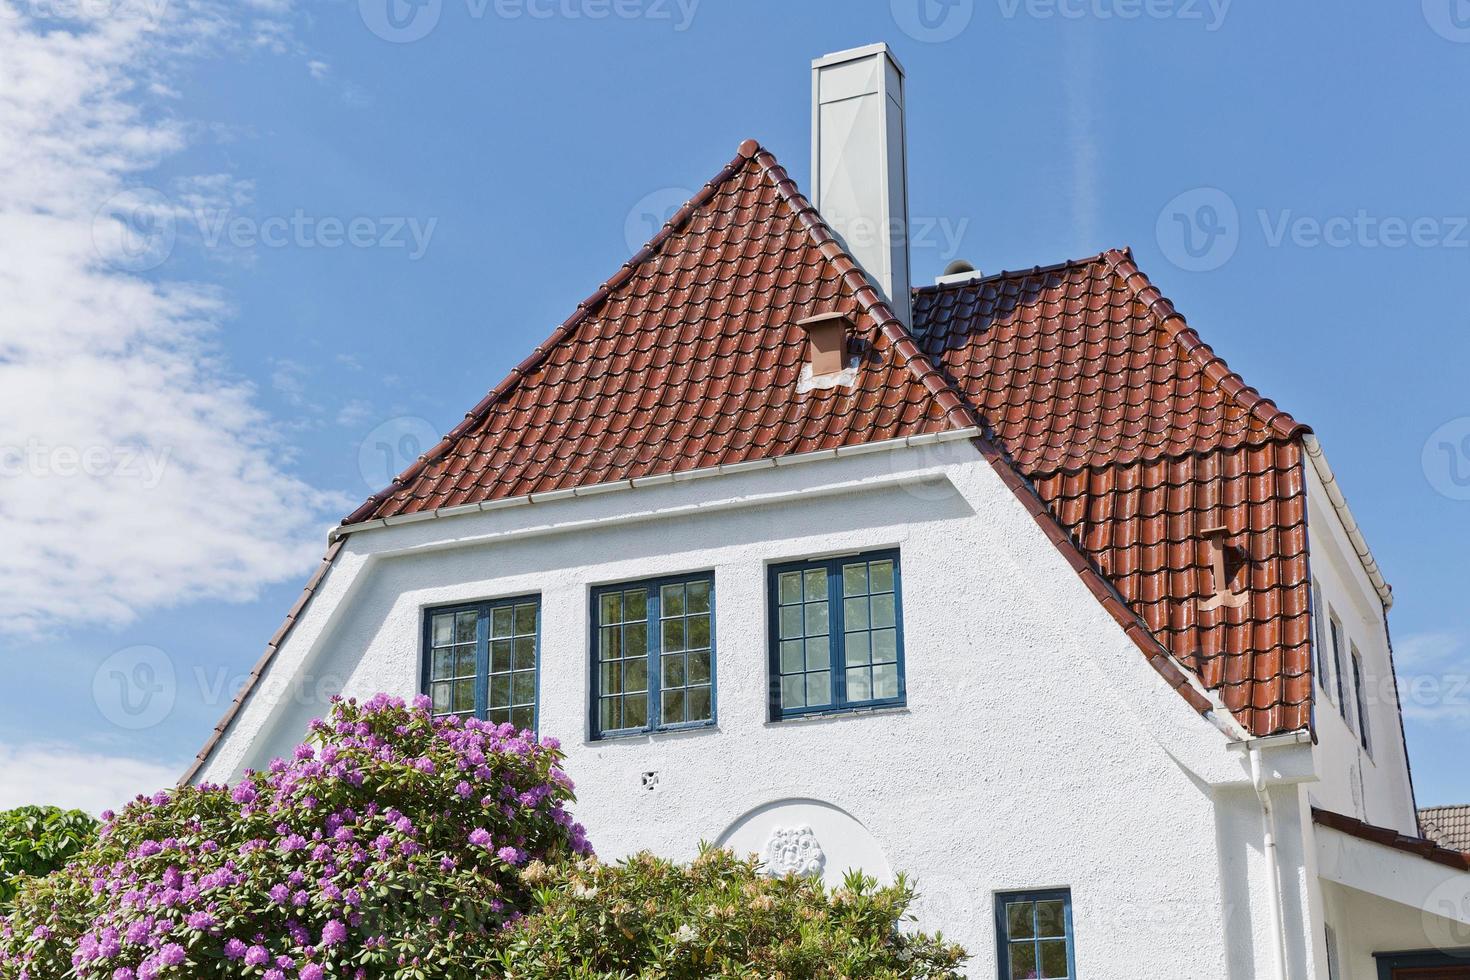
x: 1268, y: 829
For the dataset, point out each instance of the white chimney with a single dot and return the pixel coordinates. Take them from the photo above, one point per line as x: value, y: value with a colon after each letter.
x: 860, y: 166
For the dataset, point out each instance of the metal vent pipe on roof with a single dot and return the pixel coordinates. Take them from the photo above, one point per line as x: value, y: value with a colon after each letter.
x: 860, y: 165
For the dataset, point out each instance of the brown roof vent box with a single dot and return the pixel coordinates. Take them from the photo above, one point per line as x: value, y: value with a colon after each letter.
x: 826, y: 342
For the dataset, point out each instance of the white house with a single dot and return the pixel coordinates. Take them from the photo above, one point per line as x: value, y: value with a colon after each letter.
x: 1007, y: 582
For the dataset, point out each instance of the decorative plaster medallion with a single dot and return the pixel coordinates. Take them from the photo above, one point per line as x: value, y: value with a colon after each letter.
x: 793, y: 851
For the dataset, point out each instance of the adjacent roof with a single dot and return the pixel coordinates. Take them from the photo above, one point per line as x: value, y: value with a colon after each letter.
x: 1116, y: 427
x: 1448, y: 826
x: 1139, y: 437
x: 1425, y: 848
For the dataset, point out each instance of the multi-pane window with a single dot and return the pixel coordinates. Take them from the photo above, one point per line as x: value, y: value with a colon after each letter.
x: 1335, y: 628
x: 1359, y: 695
x: 1034, y: 935
x: 654, y: 655
x: 480, y: 660
x: 1319, y: 618
x: 836, y: 634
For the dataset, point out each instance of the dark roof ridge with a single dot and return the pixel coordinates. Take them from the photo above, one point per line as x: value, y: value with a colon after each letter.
x: 1036, y: 270
x: 1422, y: 846
x: 1172, y: 322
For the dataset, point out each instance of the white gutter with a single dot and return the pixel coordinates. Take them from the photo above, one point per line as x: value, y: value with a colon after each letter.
x: 1349, y: 523
x: 951, y: 435
x: 1268, y: 830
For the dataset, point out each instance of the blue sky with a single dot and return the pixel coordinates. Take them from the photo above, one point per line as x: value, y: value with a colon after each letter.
x: 364, y: 222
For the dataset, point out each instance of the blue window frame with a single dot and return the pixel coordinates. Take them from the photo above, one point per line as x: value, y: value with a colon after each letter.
x: 1335, y: 628
x: 836, y: 634
x: 1033, y: 932
x: 653, y: 655
x: 482, y: 660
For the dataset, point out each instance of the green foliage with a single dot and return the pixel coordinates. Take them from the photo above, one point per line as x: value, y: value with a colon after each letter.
x: 716, y: 917
x: 37, y: 840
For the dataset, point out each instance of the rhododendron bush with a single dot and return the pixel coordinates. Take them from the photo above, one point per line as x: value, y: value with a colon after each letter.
x: 390, y: 845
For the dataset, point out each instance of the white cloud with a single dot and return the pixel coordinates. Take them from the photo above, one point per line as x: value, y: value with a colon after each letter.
x: 49, y: 775
x: 136, y: 470
x: 1434, y: 678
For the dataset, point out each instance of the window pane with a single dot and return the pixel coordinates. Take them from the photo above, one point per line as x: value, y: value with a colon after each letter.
x: 500, y: 690
x: 790, y: 588
x: 442, y: 664
x: 793, y: 691
x: 441, y: 697
x: 880, y: 576
x: 791, y: 661
x: 443, y: 630
x: 698, y: 633
x: 816, y: 584
x: 464, y: 658
x: 855, y: 579
x: 635, y: 674
x: 818, y: 653
x: 673, y: 671
x: 855, y: 646
x: 673, y: 635
x: 673, y: 707
x: 1023, y: 961
x: 500, y: 621
x: 524, y: 688
x: 465, y: 625
x: 818, y: 689
x: 673, y: 600
x: 859, y: 684
x: 498, y: 715
x: 525, y: 619
x: 699, y: 668
x: 1051, y: 919
x: 855, y: 613
x: 635, y: 710
x: 1053, y: 957
x: 612, y: 607
x: 816, y: 618
x: 697, y: 594
x: 635, y: 640
x: 882, y: 610
x: 611, y: 642
x: 612, y: 678
x: 790, y: 621
x: 885, y: 646
x: 697, y: 704
x: 611, y: 715
x: 464, y: 695
x: 635, y: 605
x: 1018, y: 920
x: 885, y: 682
x: 523, y: 717
x: 525, y: 652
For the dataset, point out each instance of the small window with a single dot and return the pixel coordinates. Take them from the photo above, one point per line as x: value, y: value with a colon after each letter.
x: 836, y: 635
x: 1034, y: 935
x: 1319, y: 618
x: 1359, y: 695
x: 1337, y: 669
x: 653, y: 655
x: 480, y: 661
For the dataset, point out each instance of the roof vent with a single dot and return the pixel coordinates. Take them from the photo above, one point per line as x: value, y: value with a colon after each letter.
x: 826, y: 342
x: 957, y: 271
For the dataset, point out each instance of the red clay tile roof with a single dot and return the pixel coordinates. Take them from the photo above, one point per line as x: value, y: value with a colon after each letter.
x: 688, y: 358
x: 1139, y: 439
x: 1421, y: 846
x: 1448, y: 826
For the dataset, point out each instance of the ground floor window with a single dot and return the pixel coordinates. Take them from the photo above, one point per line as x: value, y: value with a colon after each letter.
x: 1034, y: 935
x: 480, y: 660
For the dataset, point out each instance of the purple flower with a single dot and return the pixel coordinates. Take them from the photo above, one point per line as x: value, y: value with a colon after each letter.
x: 333, y: 932
x: 243, y: 793
x: 480, y: 837
x: 509, y: 855
x: 311, y: 971
x: 257, y: 956
x: 171, y: 955
x: 234, y: 949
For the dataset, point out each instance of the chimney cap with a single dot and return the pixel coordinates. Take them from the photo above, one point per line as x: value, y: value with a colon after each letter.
x: 826, y: 341
x: 853, y: 54
x: 817, y: 319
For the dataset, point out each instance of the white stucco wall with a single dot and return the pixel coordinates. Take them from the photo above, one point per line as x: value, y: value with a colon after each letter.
x: 1037, y: 748
x: 1370, y: 785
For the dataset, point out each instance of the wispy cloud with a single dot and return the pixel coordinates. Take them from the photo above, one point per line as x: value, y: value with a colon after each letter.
x: 1434, y: 678
x: 66, y: 777
x: 136, y: 469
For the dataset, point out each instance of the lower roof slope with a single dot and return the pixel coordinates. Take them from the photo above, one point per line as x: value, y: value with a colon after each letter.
x: 1448, y: 826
